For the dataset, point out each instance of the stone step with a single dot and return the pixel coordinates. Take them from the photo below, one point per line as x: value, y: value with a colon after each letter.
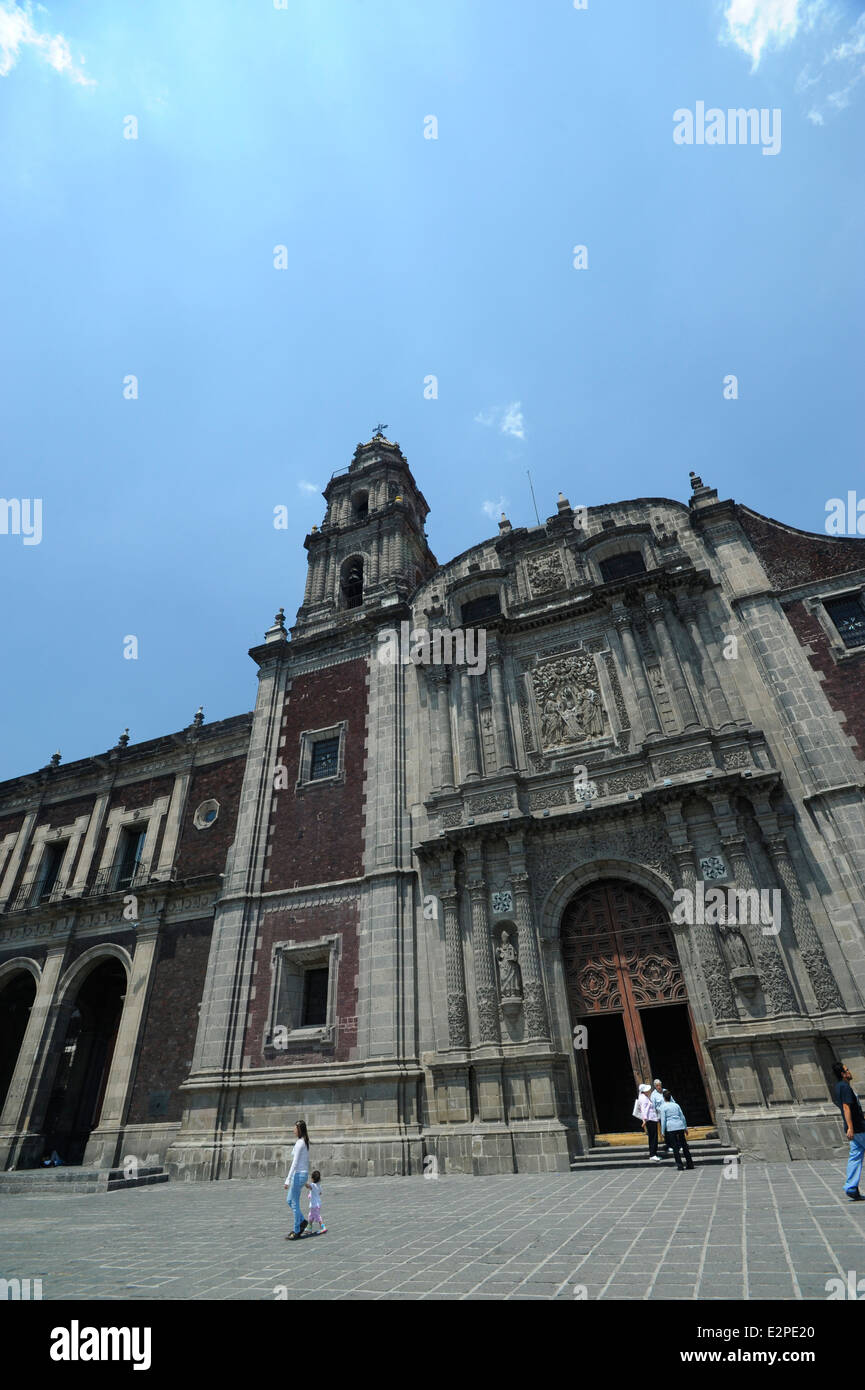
x: 57, y: 1180
x: 703, y: 1151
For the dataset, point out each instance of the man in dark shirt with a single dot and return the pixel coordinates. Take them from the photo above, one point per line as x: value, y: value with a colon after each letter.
x: 854, y: 1128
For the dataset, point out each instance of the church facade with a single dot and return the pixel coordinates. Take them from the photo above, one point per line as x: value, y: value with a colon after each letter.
x: 501, y: 838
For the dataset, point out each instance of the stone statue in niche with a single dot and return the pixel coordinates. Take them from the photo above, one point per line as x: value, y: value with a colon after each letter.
x: 510, y: 984
x: 569, y: 699
x: 737, y: 950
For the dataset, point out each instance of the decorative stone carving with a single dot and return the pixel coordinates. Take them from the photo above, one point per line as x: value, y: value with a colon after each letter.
x: 494, y: 801
x: 626, y: 782
x: 684, y: 762
x: 568, y: 696
x: 737, y: 757
x: 585, y: 791
x: 452, y: 818
x: 503, y: 902
x: 544, y: 798
x: 712, y: 867
x: 545, y: 572
x: 552, y: 860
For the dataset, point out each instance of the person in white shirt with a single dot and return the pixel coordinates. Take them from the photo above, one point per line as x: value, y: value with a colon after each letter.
x: 650, y: 1121
x: 296, y: 1179
x: 313, y: 1187
x: 658, y: 1101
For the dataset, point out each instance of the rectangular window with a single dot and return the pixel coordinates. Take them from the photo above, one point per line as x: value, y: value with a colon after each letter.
x: 49, y: 871
x: 620, y: 566
x: 848, y: 615
x: 315, y: 998
x: 477, y: 609
x: 129, y: 854
x: 325, y: 759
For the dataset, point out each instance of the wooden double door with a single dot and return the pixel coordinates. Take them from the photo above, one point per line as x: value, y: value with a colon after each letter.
x: 626, y: 987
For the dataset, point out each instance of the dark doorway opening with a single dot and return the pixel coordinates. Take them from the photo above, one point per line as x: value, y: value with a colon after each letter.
x: 16, y: 1001
x: 85, y: 1060
x: 610, y: 1072
x: 667, y: 1030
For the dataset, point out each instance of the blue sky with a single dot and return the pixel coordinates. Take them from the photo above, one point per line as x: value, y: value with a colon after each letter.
x: 304, y: 127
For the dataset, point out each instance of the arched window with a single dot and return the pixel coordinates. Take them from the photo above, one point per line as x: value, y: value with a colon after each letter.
x: 360, y: 506
x: 352, y: 582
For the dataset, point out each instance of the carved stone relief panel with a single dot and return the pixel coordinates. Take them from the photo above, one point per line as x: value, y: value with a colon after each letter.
x: 569, y: 702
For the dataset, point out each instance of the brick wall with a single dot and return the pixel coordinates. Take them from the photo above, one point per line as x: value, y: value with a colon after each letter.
x: 792, y: 557
x: 316, y: 832
x: 204, y: 851
x: 165, y: 1058
x: 844, y: 681
x: 308, y: 925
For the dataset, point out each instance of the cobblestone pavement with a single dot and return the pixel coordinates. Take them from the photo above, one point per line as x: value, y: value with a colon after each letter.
x: 776, y: 1231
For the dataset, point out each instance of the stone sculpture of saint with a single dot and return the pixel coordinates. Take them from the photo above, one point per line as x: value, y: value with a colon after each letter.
x: 552, y: 726
x: 509, y: 970
x: 736, y: 948
x: 590, y: 714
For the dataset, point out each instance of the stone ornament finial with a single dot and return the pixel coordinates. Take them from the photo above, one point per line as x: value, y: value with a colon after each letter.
x: 55, y: 759
x: 279, y: 619
x: 199, y: 717
x: 123, y: 740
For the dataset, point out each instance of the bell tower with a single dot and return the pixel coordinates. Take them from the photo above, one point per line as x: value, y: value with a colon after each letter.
x: 371, y: 551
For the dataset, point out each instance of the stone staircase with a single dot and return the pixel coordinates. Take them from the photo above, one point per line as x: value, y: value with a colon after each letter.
x: 617, y: 1151
x: 57, y: 1181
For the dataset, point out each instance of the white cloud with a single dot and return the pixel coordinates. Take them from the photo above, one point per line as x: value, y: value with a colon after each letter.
x: 308, y: 487
x: 508, y: 418
x: 513, y: 422
x: 494, y: 509
x: 17, y: 32
x: 758, y: 25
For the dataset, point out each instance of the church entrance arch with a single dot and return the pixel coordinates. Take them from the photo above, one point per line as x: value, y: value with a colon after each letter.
x: 84, y: 1061
x: 626, y: 987
x: 17, y: 993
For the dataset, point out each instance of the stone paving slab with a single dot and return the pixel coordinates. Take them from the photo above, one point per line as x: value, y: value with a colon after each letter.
x: 774, y: 1231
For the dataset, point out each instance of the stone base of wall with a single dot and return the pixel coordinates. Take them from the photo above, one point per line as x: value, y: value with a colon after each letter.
x: 779, y: 1137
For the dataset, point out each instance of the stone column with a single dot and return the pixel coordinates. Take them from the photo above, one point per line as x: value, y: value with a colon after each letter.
x: 172, y: 825
x: 534, y: 999
x: 737, y: 712
x: 468, y: 729
x: 97, y: 817
x: 485, y: 970
x: 636, y: 671
x: 319, y: 574
x: 713, y: 691
x: 458, y: 1024
x: 810, y: 946
x: 687, y: 711
x: 712, y: 963
x: 443, y: 776
x: 32, y: 1055
x: 774, y: 979
x: 374, y: 552
x: 501, y: 721
x: 119, y: 1085
x: 17, y: 855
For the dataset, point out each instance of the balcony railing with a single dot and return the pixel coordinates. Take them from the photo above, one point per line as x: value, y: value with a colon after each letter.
x: 119, y: 878
x: 36, y: 893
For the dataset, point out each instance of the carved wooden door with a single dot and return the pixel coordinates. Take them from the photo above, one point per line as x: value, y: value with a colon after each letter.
x: 619, y: 957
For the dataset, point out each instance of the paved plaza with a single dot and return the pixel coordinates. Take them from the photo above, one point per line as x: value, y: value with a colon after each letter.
x: 775, y: 1231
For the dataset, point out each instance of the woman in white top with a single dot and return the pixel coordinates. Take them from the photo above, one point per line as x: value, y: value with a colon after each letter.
x: 298, y: 1175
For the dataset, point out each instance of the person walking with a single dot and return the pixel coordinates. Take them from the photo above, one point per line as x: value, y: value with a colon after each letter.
x: 649, y: 1121
x: 658, y: 1101
x: 313, y: 1187
x: 674, y: 1127
x: 296, y: 1179
x: 854, y: 1128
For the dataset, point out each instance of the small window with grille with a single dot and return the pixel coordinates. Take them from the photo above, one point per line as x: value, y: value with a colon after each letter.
x: 620, y: 566
x: 325, y: 759
x: 848, y: 615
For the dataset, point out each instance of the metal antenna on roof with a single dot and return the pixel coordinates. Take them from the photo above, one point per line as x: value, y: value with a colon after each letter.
x: 529, y: 476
